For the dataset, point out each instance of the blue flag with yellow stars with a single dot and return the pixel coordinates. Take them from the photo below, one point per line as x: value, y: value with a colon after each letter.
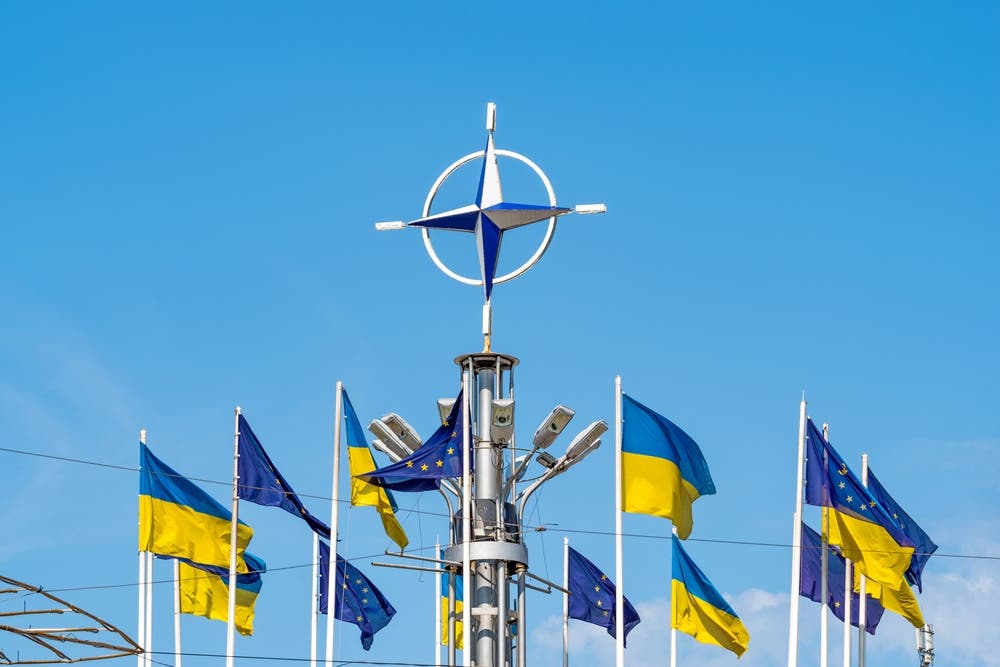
x: 922, y: 541
x: 440, y: 457
x: 863, y: 529
x: 810, y: 583
x: 357, y: 600
x: 260, y: 481
x: 592, y: 595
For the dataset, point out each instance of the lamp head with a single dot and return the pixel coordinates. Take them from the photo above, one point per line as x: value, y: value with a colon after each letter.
x: 389, y: 439
x: 552, y: 426
x: 406, y: 433
x: 586, y: 441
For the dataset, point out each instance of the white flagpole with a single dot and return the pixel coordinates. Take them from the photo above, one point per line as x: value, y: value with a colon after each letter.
x: 793, y: 613
x: 437, y: 607
x: 824, y: 579
x: 177, y: 613
x: 331, y: 574
x: 862, y: 606
x: 848, y: 589
x: 565, y: 602
x: 141, y: 631
x: 231, y: 607
x: 314, y: 606
x: 468, y: 581
x: 619, y: 567
x: 673, y: 630
x: 149, y: 607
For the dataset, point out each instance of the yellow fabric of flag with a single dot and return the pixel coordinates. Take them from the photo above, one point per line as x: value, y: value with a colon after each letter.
x: 364, y: 493
x: 899, y: 599
x: 206, y: 593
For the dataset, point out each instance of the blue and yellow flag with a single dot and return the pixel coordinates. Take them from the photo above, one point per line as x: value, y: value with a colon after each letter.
x: 663, y: 470
x: 922, y: 542
x: 260, y: 481
x: 592, y: 596
x: 440, y: 457
x: 699, y: 610
x: 459, y: 606
x: 856, y: 521
x: 176, y: 518
x: 204, y: 591
x: 810, y: 583
x: 363, y: 493
x: 357, y: 600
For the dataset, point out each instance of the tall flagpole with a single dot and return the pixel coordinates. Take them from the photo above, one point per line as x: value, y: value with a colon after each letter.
x: 149, y: 608
x: 141, y: 631
x: 331, y: 600
x: 437, y: 607
x: 824, y: 579
x: 177, y: 613
x: 565, y: 602
x: 619, y: 567
x: 231, y: 607
x: 862, y: 606
x: 468, y: 581
x: 673, y: 630
x: 793, y: 613
x: 314, y: 606
x: 848, y: 589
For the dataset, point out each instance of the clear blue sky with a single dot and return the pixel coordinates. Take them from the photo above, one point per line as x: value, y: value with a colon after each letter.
x: 800, y: 198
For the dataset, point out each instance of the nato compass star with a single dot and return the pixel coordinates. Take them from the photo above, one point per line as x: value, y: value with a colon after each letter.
x: 489, y: 217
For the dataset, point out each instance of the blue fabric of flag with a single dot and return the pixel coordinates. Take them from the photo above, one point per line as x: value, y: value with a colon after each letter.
x: 260, y: 481
x: 357, y: 600
x: 810, y: 582
x: 440, y: 457
x: 592, y: 596
x: 921, y: 540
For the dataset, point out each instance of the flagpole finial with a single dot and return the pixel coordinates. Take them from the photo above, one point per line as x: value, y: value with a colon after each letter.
x: 142, y: 435
x: 491, y: 116
x: 239, y: 410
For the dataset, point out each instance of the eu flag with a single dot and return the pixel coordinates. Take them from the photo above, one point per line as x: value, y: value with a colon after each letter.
x: 440, y: 457
x: 356, y: 599
x: 592, y: 596
x: 858, y: 523
x: 810, y: 583
x: 922, y: 541
x: 260, y: 481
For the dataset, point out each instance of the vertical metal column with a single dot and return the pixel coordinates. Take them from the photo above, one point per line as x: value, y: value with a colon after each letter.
x: 485, y: 582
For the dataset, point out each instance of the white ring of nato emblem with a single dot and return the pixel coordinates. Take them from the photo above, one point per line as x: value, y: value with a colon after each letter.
x: 542, y: 247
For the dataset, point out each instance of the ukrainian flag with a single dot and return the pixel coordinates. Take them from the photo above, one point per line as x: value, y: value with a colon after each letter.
x: 663, y: 470
x: 459, y: 626
x: 699, y: 610
x: 204, y: 591
x: 178, y: 519
x: 363, y: 492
